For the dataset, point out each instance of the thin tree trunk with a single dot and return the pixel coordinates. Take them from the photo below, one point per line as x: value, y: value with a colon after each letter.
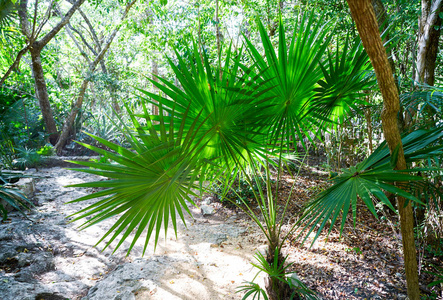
x: 112, y: 89
x: 42, y: 95
x: 155, y: 110
x: 364, y: 17
x: 382, y: 21
x: 427, y: 23
x: 431, y: 55
x: 426, y: 41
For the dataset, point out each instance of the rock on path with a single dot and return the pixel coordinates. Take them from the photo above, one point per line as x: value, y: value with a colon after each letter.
x: 47, y: 257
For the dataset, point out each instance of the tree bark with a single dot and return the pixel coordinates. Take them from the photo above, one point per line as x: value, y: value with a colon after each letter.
x: 69, y: 27
x: 382, y: 21
x: 427, y: 47
x: 366, y: 22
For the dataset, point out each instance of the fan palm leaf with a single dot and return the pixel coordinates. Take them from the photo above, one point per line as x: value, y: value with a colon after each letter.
x: 345, y: 77
x: 8, y: 11
x: 371, y: 177
x: 8, y: 14
x: 231, y: 104
x: 149, y: 182
x: 293, y: 73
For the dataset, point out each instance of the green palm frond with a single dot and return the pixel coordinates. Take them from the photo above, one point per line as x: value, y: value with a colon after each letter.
x: 438, y: 275
x: 346, y: 75
x: 277, y: 270
x: 291, y: 75
x: 149, y: 183
x: 8, y: 32
x: 232, y: 106
x: 252, y: 289
x: 370, y: 178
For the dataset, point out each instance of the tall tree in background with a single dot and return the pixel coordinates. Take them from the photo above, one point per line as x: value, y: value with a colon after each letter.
x: 427, y: 48
x: 364, y: 17
x: 95, y: 47
x: 428, y: 37
x: 69, y: 122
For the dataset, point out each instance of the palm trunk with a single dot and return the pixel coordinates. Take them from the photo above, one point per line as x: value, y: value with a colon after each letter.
x: 276, y: 289
x: 364, y: 17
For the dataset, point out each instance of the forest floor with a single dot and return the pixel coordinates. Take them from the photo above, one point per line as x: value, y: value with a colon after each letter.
x: 209, y: 260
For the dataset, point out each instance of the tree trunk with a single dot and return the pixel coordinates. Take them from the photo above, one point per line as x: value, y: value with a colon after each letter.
x: 42, y: 95
x: 427, y: 22
x: 431, y: 55
x: 364, y: 17
x: 382, y: 21
x: 369, y: 122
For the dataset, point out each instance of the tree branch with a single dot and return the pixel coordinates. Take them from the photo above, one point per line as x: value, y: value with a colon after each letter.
x: 14, y: 64
x: 35, y: 19
x: 82, y: 38
x: 45, y: 20
x: 91, y: 29
x: 68, y: 30
x: 60, y: 25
